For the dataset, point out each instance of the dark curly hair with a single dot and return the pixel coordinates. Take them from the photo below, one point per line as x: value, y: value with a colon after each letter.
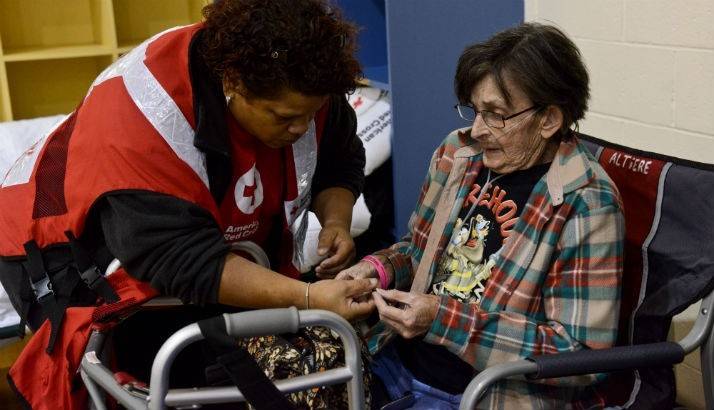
x: 273, y: 45
x: 540, y: 59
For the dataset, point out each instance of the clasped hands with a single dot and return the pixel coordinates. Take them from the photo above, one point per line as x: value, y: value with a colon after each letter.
x: 409, y: 314
x: 356, y: 289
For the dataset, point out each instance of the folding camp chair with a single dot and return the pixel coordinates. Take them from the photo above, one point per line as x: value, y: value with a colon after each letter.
x: 99, y: 379
x: 669, y: 264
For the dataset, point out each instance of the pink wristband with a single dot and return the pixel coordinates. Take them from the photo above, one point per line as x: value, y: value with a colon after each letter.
x: 383, y: 281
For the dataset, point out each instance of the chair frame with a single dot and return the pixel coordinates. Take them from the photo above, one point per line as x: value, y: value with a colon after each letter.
x: 701, y: 336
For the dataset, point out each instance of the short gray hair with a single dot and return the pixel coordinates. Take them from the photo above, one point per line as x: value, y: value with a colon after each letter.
x: 540, y: 59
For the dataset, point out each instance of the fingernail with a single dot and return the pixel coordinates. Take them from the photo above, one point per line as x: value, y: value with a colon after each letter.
x: 373, y: 282
x: 321, y: 251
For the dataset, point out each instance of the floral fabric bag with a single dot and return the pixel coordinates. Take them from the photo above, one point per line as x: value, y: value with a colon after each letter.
x: 310, y: 350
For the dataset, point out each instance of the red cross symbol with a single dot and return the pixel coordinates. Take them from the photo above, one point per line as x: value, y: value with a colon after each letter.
x: 249, y: 191
x: 357, y: 102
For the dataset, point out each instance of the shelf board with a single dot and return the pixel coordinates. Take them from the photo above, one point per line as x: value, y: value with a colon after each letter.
x: 50, y: 53
x: 5, y: 111
x: 49, y: 87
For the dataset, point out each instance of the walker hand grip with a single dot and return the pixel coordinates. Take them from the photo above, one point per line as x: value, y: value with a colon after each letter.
x: 262, y: 322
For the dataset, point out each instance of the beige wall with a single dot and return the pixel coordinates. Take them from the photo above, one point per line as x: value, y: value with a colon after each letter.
x: 651, y: 66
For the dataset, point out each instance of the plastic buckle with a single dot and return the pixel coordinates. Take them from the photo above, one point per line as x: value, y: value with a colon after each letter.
x: 91, y: 276
x: 42, y: 287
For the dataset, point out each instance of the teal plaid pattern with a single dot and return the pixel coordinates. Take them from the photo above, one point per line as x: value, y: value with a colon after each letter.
x: 555, y: 287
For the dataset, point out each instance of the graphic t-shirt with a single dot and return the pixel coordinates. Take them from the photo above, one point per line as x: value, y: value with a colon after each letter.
x: 481, y: 230
x: 485, y: 222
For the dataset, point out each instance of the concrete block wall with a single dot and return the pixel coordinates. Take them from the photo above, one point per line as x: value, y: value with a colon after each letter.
x: 651, y: 65
x: 688, y: 374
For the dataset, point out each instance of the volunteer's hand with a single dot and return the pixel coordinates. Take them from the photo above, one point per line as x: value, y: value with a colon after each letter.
x: 350, y: 299
x: 409, y: 314
x: 335, y: 241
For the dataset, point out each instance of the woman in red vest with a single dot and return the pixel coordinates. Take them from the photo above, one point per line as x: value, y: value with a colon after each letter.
x: 224, y: 131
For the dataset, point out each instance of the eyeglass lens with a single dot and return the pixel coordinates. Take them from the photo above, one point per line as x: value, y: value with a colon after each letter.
x: 491, y: 119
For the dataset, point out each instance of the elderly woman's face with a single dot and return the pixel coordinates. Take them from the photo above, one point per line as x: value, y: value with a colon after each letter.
x: 519, y: 144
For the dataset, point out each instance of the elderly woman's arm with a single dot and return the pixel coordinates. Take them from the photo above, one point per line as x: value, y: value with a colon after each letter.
x: 581, y: 298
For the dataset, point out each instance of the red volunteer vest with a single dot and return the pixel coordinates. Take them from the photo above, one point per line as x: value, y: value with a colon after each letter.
x: 263, y: 178
x: 133, y: 131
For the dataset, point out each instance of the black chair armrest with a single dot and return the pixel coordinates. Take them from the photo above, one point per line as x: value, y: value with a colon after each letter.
x: 606, y: 360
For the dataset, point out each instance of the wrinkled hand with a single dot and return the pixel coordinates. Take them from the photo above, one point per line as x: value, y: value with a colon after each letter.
x: 360, y: 270
x: 413, y: 314
x: 349, y: 299
x: 337, y: 242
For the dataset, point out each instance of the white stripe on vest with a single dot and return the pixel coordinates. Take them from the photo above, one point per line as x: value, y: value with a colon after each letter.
x: 305, y: 158
x: 157, y: 105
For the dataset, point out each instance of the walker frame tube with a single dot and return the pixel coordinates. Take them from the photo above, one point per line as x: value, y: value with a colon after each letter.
x: 246, y: 324
x: 94, y: 374
x: 241, y: 324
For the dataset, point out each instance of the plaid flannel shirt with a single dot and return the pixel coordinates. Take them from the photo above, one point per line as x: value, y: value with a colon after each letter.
x: 556, y: 284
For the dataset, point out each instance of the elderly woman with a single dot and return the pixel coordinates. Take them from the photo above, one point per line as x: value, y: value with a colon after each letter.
x: 515, y: 246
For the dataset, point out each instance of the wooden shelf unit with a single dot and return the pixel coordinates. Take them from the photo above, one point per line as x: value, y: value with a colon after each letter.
x: 137, y: 20
x: 51, y: 51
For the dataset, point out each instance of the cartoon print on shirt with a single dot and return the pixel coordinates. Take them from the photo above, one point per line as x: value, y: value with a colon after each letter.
x: 464, y: 265
x: 481, y: 229
x: 505, y: 211
x: 463, y: 271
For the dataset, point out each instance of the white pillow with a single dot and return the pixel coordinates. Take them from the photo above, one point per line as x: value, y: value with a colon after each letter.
x: 15, y: 138
x: 374, y: 124
x: 360, y: 222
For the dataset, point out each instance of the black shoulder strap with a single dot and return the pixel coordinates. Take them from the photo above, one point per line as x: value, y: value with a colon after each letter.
x: 42, y: 287
x: 89, y: 272
x: 240, y: 366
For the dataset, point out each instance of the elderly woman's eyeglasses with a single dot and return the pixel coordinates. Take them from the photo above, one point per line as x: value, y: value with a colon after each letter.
x: 492, y: 119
